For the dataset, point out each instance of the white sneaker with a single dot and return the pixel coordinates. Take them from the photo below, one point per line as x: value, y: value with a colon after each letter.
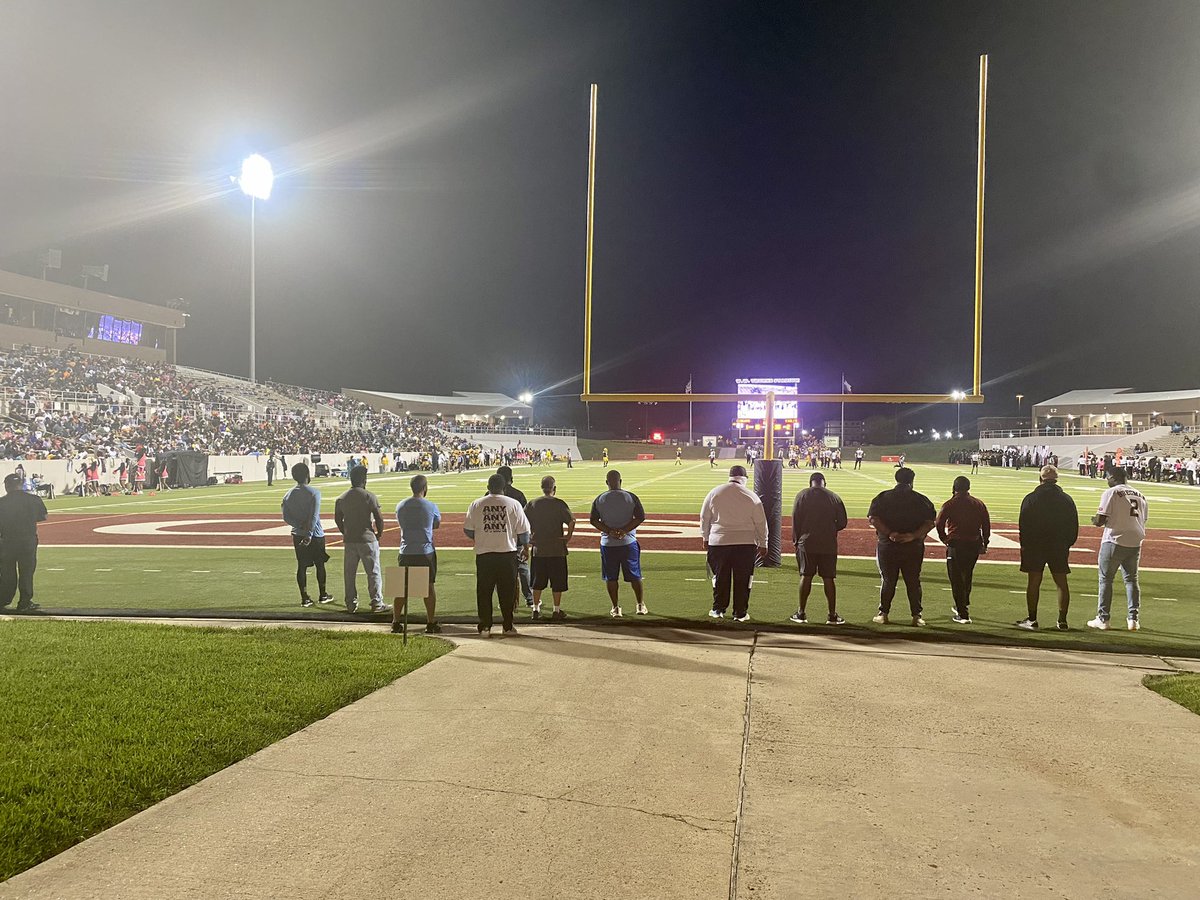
x: 1133, y: 624
x: 615, y: 612
x: 715, y: 614
x: 1099, y: 624
x: 744, y: 617
x: 880, y: 619
x: 918, y: 622
x: 641, y: 609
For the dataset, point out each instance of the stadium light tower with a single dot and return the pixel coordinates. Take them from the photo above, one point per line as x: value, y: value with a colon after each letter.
x: 255, y: 181
x: 959, y: 396
x: 527, y: 399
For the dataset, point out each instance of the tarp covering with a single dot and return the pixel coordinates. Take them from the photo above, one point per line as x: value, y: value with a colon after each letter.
x: 185, y: 468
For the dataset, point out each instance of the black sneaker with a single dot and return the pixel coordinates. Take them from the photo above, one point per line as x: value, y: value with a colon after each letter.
x: 325, y: 598
x: 433, y: 628
x: 397, y: 628
x: 835, y: 619
x: 511, y: 631
x: 1063, y: 626
x: 537, y: 614
x: 558, y: 614
x: 28, y: 606
x: 529, y: 601
x: 306, y: 600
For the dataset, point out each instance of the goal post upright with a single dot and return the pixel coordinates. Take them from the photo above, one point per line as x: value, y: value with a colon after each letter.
x: 976, y: 395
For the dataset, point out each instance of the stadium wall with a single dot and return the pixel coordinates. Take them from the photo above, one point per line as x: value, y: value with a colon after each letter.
x: 559, y: 445
x: 1070, y: 446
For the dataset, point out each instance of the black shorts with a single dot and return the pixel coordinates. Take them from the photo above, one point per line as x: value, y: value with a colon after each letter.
x: 425, y: 560
x: 823, y: 565
x: 312, y: 553
x: 548, y: 570
x: 1034, y: 560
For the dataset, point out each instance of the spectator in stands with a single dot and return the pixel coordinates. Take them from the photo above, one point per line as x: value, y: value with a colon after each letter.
x: 1049, y: 526
x: 548, y: 516
x: 360, y: 521
x: 901, y: 518
x: 818, y: 514
x: 964, y: 526
x: 497, y: 526
x: 19, y: 514
x: 302, y: 511
x: 616, y: 514
x: 733, y: 527
x: 418, y: 518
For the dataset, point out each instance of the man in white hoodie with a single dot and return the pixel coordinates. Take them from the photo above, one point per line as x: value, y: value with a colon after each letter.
x: 734, y: 528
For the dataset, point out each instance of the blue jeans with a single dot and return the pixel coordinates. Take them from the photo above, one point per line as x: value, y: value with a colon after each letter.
x: 1114, y: 557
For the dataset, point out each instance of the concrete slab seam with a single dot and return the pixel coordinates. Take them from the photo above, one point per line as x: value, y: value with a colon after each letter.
x: 737, y: 819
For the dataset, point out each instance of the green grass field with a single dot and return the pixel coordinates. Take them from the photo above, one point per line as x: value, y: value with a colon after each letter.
x: 101, y: 720
x: 259, y: 581
x: 1184, y: 689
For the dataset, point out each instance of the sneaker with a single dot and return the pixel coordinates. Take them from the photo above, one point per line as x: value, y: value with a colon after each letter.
x: 485, y: 632
x: 744, y: 617
x: 615, y: 612
x: 397, y: 628
x: 798, y: 617
x: 1028, y: 624
x: 881, y: 619
x: 918, y: 622
x: 641, y: 609
x: 529, y: 602
x: 1063, y: 626
x: 1133, y: 624
x: 306, y: 600
x: 959, y: 619
x: 433, y: 628
x: 28, y: 606
x: 1098, y: 623
x: 558, y: 614
x: 325, y: 598
x: 380, y: 607
x: 351, y: 606
x: 715, y: 614
x: 537, y: 614
x: 510, y: 631
x: 835, y: 619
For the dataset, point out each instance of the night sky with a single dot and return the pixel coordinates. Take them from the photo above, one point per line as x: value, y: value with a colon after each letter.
x: 782, y: 189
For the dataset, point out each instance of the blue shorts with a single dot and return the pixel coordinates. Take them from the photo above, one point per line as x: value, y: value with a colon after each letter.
x: 626, y: 558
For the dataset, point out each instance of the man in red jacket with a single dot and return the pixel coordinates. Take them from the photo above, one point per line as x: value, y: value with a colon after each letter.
x: 964, y: 526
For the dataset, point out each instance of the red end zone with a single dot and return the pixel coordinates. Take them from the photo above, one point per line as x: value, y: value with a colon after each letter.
x: 1163, y: 549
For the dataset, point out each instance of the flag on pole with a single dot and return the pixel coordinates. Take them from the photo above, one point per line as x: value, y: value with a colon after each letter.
x: 688, y: 387
x: 846, y: 385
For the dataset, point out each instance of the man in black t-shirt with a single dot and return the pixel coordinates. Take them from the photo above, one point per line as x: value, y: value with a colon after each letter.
x: 547, y: 515
x: 901, y: 518
x: 19, y: 514
x: 505, y: 472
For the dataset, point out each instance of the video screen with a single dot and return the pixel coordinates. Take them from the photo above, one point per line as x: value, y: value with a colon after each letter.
x: 756, y: 410
x: 119, y: 331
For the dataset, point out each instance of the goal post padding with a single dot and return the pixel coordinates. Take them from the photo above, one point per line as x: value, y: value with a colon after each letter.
x: 768, y: 484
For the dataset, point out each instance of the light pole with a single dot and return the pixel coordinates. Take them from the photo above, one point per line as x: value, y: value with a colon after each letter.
x: 958, y: 396
x: 255, y: 181
x: 527, y: 399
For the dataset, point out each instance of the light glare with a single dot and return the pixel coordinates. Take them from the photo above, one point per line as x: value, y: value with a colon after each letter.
x: 257, y: 177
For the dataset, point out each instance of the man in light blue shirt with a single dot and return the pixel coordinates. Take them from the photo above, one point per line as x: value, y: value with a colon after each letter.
x: 302, y: 510
x: 417, y: 518
x: 616, y: 514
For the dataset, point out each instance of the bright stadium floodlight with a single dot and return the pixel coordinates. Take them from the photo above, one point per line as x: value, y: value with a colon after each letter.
x: 958, y: 396
x: 527, y: 399
x: 257, y: 177
x: 255, y: 181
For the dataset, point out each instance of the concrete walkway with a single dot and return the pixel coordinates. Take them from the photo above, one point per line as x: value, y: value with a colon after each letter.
x: 579, y: 763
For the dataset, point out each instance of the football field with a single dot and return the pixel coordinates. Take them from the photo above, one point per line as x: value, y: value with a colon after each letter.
x: 225, y: 548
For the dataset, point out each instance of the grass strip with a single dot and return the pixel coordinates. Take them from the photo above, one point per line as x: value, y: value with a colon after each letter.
x: 101, y: 720
x: 1184, y: 689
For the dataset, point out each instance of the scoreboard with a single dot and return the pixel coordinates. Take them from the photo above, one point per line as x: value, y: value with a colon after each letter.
x: 754, y: 407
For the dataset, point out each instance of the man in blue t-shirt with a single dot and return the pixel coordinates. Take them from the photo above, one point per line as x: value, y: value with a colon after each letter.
x: 302, y: 510
x: 616, y: 514
x: 417, y: 518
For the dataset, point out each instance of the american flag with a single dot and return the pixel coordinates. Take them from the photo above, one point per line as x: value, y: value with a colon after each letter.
x: 846, y: 385
x: 688, y: 387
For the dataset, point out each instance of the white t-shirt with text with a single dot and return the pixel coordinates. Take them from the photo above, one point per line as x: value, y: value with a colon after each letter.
x: 496, y: 521
x: 1127, y: 512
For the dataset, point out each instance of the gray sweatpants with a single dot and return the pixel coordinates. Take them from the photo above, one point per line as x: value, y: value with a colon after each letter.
x: 368, y: 554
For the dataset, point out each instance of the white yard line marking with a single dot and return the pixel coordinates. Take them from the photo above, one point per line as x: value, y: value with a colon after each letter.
x: 1172, y: 599
x: 102, y: 570
x: 201, y: 571
x: 55, y: 569
x: 252, y: 573
x: 151, y: 570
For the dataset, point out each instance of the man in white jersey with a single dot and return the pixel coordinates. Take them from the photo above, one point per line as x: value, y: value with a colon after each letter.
x: 1122, y: 514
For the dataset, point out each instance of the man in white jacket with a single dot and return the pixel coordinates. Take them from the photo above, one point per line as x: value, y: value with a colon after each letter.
x: 734, y: 528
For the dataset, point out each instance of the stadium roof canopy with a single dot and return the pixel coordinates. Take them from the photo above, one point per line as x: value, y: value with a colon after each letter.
x: 67, y: 296
x: 481, y: 404
x: 1123, y: 403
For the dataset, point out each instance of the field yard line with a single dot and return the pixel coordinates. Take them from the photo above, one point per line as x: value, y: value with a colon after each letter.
x: 670, y: 474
